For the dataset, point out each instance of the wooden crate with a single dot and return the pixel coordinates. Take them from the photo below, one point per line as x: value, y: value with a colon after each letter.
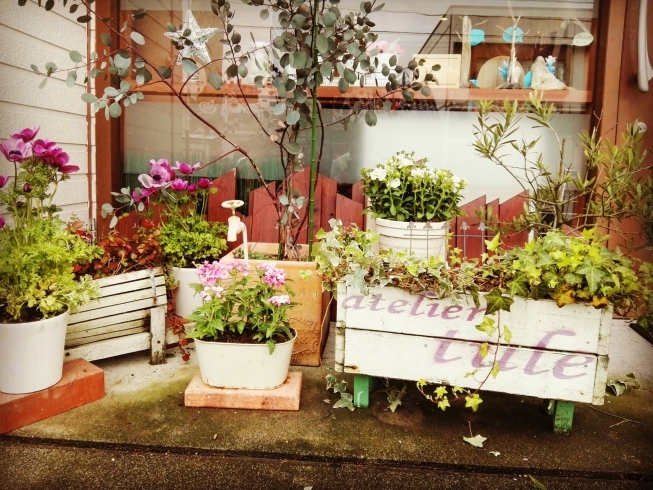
x: 128, y: 317
x: 555, y: 353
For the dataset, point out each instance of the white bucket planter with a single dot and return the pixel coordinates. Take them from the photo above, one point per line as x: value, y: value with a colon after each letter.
x: 247, y: 366
x: 186, y: 299
x: 31, y: 354
x: 424, y: 239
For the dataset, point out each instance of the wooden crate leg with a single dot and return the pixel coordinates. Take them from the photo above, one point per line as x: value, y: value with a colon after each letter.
x: 563, y: 417
x: 158, y: 333
x: 549, y: 406
x: 362, y: 387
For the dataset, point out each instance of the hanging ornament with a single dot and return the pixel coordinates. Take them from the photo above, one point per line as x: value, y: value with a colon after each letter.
x: 198, y: 36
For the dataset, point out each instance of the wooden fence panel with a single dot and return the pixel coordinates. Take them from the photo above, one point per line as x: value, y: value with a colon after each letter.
x: 507, y: 211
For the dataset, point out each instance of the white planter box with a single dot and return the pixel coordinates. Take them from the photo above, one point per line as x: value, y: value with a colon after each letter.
x: 555, y: 353
x: 128, y: 317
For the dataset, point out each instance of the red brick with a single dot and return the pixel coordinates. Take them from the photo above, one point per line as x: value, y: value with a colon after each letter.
x: 82, y: 382
x: 286, y: 397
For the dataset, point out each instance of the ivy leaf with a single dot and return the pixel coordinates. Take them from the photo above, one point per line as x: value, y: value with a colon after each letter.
x: 443, y: 404
x: 563, y: 297
x: 487, y: 326
x: 593, y: 274
x: 346, y: 401
x: 507, y: 334
x: 477, y: 440
x: 519, y: 286
x: 482, y: 352
x: 495, y: 370
x: 496, y: 301
x: 493, y: 244
x: 394, y: 404
x: 473, y: 401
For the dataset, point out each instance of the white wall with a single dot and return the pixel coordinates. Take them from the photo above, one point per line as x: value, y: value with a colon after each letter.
x: 30, y: 35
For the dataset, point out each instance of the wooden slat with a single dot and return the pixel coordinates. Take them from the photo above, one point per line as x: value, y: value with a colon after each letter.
x: 328, y: 211
x: 127, y: 277
x: 528, y: 372
x: 109, y: 348
x: 349, y: 211
x: 264, y: 215
x: 102, y: 334
x: 507, y: 211
x: 471, y: 246
x: 226, y: 186
x: 96, y: 308
x: 110, y: 320
x: 358, y: 196
x: 128, y: 287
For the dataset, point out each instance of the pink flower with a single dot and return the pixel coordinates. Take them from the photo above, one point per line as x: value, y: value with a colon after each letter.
x: 43, y: 148
x: 210, y: 273
x: 59, y: 159
x: 3, y: 180
x: 191, y: 187
x: 160, y: 174
x: 2, y: 221
x: 210, y: 292
x: 241, y: 266
x: 26, y: 134
x: 27, y: 187
x: 273, y: 277
x: 282, y: 299
x: 179, y: 185
x: 204, y: 183
x: 15, y: 150
x: 185, y: 168
x: 143, y: 195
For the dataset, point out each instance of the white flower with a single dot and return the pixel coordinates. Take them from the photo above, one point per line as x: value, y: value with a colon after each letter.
x: 394, y: 183
x: 378, y: 174
x: 463, y: 183
x: 417, y: 172
x: 456, y: 180
x: 405, y: 162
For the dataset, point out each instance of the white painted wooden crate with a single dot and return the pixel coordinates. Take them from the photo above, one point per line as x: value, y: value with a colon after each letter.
x: 128, y: 317
x: 556, y: 353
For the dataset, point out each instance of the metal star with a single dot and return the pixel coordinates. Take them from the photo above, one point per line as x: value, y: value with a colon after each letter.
x: 198, y: 36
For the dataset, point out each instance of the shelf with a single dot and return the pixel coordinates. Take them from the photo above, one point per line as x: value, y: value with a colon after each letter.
x: 331, y: 94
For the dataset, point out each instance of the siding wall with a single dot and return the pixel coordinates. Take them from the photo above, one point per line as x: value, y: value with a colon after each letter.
x: 31, y: 35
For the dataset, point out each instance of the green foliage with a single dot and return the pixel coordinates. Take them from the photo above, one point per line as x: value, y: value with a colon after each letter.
x: 239, y: 301
x: 36, y: 271
x: 188, y: 238
x: 402, y: 189
x: 443, y: 396
x: 611, y: 182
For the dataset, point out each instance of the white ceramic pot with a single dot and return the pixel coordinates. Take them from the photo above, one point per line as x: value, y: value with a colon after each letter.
x: 247, y: 366
x: 186, y: 299
x: 424, y: 239
x: 31, y: 354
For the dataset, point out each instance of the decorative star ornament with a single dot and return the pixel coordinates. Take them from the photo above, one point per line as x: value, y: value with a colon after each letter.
x: 198, y: 36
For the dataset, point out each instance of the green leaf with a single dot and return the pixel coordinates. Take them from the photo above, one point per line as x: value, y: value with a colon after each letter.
x: 189, y: 66
x: 537, y: 484
x: 473, y: 401
x: 477, y: 440
x: 137, y: 37
x: 483, y: 350
x: 370, y: 118
x: 496, y: 301
x: 115, y: 110
x: 507, y: 334
x: 350, y: 75
x: 242, y: 71
x: 292, y: 117
x: 125, y: 86
x: 346, y: 401
x: 89, y: 98
x: 43, y: 82
x: 264, y: 14
x: 326, y: 69
x: 495, y: 370
x: 593, y: 275
x: 487, y: 326
x: 322, y: 43
x: 35, y: 68
x: 84, y: 19
x: 426, y: 91
x: 71, y: 78
x: 215, y: 80
x: 329, y: 19
x: 343, y: 85
x: 293, y: 148
x: 166, y: 72
x: 75, y: 56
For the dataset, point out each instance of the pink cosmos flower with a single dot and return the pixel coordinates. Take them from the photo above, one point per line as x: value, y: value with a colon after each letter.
x: 26, y: 134
x: 179, y: 185
x: 160, y: 174
x: 185, y: 168
x: 282, y: 299
x: 204, y: 183
x: 3, y: 180
x: 15, y: 150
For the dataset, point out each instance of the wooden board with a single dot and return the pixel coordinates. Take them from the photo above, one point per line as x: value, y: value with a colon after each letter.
x: 226, y: 187
x: 507, y: 211
x: 109, y: 314
x: 540, y: 324
x: 471, y: 241
x: 109, y: 348
x: 349, y: 211
x: 526, y: 372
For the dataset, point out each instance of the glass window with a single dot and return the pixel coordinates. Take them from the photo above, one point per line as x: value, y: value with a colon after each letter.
x: 474, y: 52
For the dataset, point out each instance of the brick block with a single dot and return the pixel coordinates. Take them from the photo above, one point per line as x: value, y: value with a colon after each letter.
x: 286, y: 397
x: 82, y: 382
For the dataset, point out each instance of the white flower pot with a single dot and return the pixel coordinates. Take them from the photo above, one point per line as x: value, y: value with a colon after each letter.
x: 247, y: 366
x: 186, y: 299
x: 31, y: 354
x: 424, y: 239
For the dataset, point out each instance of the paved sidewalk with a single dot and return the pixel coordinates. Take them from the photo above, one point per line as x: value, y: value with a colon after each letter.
x: 142, y: 436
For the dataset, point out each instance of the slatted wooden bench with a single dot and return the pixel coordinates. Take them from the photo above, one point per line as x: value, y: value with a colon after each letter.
x: 128, y: 317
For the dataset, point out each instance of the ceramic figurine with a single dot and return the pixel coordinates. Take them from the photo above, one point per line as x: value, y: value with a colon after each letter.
x: 542, y: 78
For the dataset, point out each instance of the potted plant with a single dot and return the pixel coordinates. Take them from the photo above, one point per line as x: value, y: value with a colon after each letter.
x: 130, y: 313
x: 242, y: 332
x: 547, y: 309
x: 412, y: 204
x: 185, y: 235
x: 38, y: 289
